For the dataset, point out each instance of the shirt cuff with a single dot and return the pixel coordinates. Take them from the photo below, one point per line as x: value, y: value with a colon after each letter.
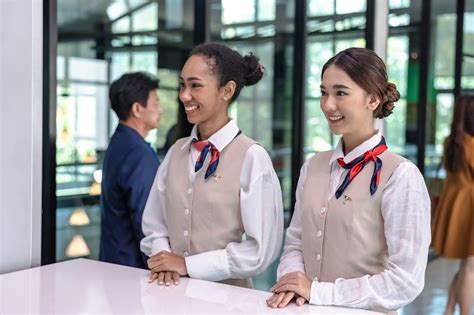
x: 159, y: 245
x: 211, y: 266
x: 321, y: 293
x: 297, y: 267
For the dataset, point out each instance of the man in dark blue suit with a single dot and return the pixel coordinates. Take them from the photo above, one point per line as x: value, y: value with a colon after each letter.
x: 129, y: 168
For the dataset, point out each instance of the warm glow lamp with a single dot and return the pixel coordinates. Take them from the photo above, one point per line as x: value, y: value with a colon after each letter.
x: 77, y: 247
x: 79, y: 217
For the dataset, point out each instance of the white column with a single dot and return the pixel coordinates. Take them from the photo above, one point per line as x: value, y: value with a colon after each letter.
x: 380, y: 39
x: 381, y: 28
x: 21, y: 40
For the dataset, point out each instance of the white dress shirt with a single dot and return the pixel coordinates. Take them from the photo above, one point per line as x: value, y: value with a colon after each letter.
x: 406, y: 213
x: 261, y: 209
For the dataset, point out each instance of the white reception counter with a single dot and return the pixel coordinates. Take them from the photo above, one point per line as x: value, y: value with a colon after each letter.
x: 86, y: 286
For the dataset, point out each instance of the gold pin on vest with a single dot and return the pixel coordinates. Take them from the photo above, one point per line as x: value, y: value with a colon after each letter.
x: 345, y: 199
x: 216, y: 176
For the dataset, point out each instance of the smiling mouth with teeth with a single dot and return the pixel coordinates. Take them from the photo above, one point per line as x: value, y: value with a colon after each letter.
x: 190, y: 108
x: 335, y: 118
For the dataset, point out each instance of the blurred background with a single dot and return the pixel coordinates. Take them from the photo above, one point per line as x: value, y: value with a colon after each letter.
x: 429, y: 55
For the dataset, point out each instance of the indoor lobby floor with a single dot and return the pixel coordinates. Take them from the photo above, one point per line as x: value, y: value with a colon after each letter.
x: 433, y: 299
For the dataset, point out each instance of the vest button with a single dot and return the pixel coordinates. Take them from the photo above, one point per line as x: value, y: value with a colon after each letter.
x: 318, y: 257
x: 186, y: 254
x: 319, y: 233
x: 186, y: 211
x: 185, y: 233
x: 190, y: 190
x: 323, y: 210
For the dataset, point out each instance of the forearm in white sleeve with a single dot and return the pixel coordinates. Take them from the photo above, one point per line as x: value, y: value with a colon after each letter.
x: 292, y: 257
x: 154, y: 222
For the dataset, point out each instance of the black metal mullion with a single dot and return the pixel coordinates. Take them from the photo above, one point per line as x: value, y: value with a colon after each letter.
x: 201, y: 25
x: 161, y: 16
x: 298, y: 121
x: 101, y: 41
x: 424, y: 75
x: 370, y: 25
x: 460, y: 7
x: 48, y: 199
x: 279, y: 70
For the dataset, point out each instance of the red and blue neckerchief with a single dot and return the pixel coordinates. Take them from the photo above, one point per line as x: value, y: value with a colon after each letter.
x: 205, y: 147
x: 357, y: 164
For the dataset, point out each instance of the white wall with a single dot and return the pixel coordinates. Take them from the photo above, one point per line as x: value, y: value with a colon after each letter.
x: 20, y: 133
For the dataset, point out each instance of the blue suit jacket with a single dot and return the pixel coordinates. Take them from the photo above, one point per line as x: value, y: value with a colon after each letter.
x: 128, y: 171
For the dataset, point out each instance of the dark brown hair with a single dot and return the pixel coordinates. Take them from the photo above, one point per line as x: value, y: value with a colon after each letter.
x: 229, y: 65
x: 463, y: 122
x: 368, y: 71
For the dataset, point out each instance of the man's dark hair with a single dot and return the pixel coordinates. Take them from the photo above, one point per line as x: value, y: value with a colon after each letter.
x: 128, y: 89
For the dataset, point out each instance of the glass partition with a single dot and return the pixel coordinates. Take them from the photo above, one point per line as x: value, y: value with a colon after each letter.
x: 467, y: 77
x: 332, y: 26
x: 262, y: 111
x: 97, y: 43
x: 403, y: 67
x: 441, y: 101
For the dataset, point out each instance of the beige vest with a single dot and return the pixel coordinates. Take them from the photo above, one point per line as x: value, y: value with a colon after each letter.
x: 204, y: 215
x: 344, y: 238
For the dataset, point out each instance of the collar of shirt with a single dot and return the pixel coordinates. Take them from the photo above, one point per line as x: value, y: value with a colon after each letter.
x: 357, y: 151
x: 129, y: 131
x: 133, y: 136
x: 220, y: 139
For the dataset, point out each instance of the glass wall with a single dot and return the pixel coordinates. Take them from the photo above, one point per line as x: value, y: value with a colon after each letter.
x: 97, y: 43
x: 82, y: 110
x: 332, y: 26
x: 403, y: 67
x: 467, y: 77
x: 263, y: 111
x: 441, y: 93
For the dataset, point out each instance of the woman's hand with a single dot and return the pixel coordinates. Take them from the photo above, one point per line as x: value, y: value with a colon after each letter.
x: 166, y: 261
x: 164, y: 277
x: 297, y: 282
x: 283, y: 298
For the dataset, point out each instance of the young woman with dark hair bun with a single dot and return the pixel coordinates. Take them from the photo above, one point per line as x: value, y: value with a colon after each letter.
x: 360, y: 232
x: 215, y: 209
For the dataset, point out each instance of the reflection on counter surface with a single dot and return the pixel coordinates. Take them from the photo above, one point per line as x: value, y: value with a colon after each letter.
x: 86, y: 286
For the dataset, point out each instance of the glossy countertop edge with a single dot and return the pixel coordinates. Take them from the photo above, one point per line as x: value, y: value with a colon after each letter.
x: 85, y: 286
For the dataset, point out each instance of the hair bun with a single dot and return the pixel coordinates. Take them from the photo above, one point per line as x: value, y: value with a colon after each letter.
x: 392, y: 93
x: 253, y: 69
x: 391, y: 96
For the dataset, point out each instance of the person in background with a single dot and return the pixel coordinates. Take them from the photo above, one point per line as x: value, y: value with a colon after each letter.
x: 215, y: 210
x: 129, y: 167
x: 181, y: 129
x: 360, y: 232
x: 453, y: 228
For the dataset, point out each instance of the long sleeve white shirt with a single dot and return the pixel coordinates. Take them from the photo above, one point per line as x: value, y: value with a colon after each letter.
x: 406, y: 213
x: 261, y: 210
